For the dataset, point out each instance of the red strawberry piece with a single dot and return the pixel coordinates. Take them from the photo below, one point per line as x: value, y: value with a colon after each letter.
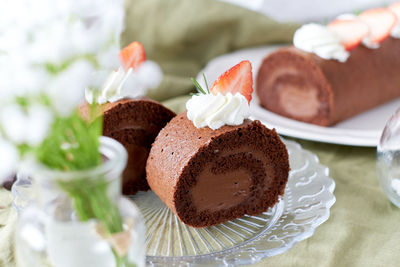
x: 350, y: 31
x: 395, y: 8
x: 380, y: 21
x: 132, y: 56
x: 237, y: 79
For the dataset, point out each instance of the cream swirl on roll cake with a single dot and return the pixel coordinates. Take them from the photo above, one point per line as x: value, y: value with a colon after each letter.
x: 395, y: 8
x: 320, y: 40
x: 217, y: 110
x: 338, y: 38
x: 131, y: 80
x: 226, y: 103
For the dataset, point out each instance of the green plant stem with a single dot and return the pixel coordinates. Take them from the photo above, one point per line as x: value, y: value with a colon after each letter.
x: 73, y: 144
x: 91, y: 201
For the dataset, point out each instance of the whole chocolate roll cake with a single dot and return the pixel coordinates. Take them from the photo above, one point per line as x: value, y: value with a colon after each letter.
x: 313, y: 88
x: 305, y: 87
x: 135, y: 123
x: 208, y: 176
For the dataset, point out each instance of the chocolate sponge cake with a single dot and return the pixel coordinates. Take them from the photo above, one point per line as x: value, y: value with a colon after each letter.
x: 135, y: 123
x: 207, y: 176
x: 305, y: 87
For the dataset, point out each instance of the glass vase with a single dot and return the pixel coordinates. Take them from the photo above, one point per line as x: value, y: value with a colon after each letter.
x: 388, y: 159
x: 80, y: 218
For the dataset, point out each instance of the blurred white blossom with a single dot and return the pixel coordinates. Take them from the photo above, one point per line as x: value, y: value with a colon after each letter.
x: 49, y: 50
x: 39, y: 38
x: 150, y: 74
x: 38, y: 124
x: 66, y: 91
x: 12, y: 120
x: 25, y: 126
x: 8, y: 159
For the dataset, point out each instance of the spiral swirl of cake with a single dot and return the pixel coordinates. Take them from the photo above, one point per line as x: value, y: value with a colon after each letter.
x: 208, y: 176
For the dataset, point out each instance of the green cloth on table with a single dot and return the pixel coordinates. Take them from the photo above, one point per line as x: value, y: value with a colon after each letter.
x: 363, y: 228
x: 182, y: 36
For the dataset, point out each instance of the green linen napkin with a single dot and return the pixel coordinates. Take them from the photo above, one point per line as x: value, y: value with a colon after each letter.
x: 182, y: 36
x: 363, y: 228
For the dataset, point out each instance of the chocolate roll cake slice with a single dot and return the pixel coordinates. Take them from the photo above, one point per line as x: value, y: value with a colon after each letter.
x: 211, y: 164
x: 135, y: 123
x: 207, y: 176
x: 324, y: 89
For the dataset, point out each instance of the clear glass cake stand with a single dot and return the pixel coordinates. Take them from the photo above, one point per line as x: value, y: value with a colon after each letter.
x: 388, y: 159
x: 305, y: 205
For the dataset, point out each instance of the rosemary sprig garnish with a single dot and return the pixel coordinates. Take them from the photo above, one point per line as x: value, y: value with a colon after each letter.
x: 200, y: 89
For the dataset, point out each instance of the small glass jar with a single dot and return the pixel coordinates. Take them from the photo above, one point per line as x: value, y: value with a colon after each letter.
x: 388, y: 159
x: 51, y: 231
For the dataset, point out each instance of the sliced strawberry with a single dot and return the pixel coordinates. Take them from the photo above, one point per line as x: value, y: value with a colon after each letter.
x: 132, y: 56
x: 395, y: 8
x: 350, y: 31
x: 380, y: 21
x: 237, y: 79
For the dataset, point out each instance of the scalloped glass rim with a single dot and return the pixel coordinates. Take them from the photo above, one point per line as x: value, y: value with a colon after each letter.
x: 305, y: 206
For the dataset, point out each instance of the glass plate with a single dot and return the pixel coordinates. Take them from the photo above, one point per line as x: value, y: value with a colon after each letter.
x: 305, y: 205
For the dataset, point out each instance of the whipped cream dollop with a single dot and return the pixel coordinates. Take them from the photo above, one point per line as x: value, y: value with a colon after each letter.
x: 320, y: 40
x: 370, y: 44
x: 217, y: 110
x: 131, y: 83
x: 396, y: 30
x: 395, y: 33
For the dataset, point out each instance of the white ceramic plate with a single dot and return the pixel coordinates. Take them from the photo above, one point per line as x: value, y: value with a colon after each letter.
x: 362, y: 130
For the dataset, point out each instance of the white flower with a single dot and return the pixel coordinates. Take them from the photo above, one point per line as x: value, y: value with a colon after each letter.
x: 38, y: 124
x: 37, y: 40
x: 33, y: 82
x: 133, y: 86
x: 67, y: 90
x: 13, y: 123
x: 108, y: 59
x: 25, y: 127
x: 150, y: 74
x: 9, y: 158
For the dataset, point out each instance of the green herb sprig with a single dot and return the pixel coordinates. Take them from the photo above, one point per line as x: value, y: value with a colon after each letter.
x: 200, y: 89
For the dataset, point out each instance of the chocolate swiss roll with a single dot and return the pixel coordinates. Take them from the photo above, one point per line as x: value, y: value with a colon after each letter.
x: 135, y: 123
x: 305, y: 87
x: 207, y: 176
